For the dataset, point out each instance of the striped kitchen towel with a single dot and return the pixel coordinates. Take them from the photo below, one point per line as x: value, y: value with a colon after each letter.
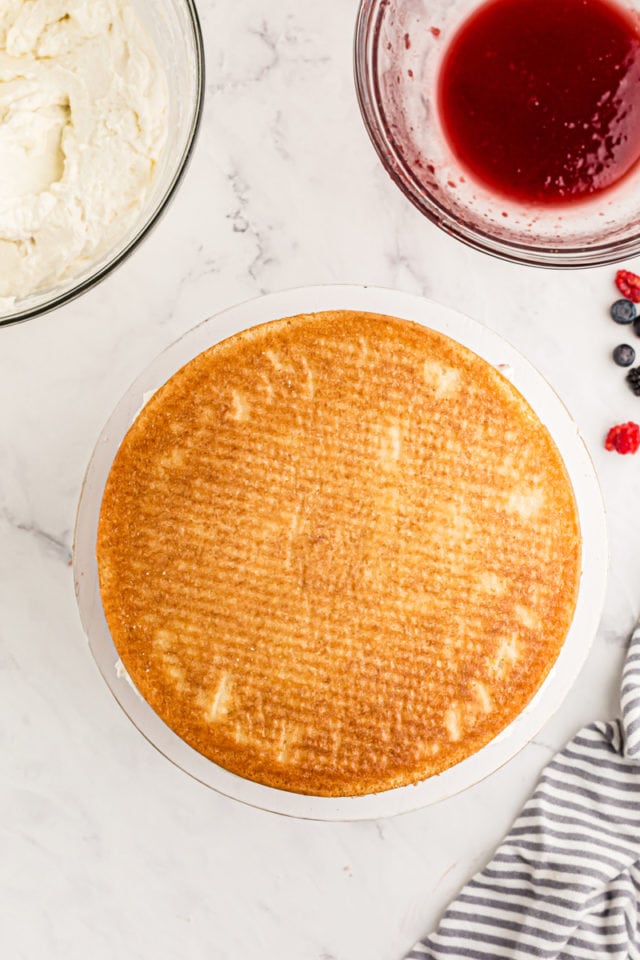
x: 566, y: 881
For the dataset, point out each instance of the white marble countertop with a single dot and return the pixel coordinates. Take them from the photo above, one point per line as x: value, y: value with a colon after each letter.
x: 106, y: 849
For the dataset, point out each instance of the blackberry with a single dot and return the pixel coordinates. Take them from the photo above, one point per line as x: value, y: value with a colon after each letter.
x: 633, y: 379
x: 624, y: 355
x: 623, y: 311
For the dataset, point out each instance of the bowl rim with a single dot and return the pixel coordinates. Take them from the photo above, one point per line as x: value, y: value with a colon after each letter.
x: 95, y: 278
x: 367, y: 27
x: 549, y: 408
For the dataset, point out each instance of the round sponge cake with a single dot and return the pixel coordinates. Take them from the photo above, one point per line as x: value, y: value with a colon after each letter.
x: 338, y: 553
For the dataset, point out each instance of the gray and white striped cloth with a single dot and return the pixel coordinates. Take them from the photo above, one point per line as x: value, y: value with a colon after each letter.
x: 565, y: 883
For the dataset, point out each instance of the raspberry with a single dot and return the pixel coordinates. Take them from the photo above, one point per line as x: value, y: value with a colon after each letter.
x: 623, y: 438
x: 629, y: 285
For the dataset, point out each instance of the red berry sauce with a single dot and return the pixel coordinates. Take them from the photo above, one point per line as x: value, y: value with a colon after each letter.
x: 540, y: 99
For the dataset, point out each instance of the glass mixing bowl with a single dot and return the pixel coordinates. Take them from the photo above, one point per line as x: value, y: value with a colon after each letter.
x: 174, y: 27
x: 398, y: 51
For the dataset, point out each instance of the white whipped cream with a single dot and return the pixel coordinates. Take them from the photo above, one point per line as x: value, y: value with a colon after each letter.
x: 83, y: 123
x: 123, y: 674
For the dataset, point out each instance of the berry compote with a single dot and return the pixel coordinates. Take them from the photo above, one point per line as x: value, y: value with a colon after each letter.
x: 540, y: 99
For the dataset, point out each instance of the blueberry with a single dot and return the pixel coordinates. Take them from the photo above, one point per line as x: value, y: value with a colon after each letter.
x: 624, y: 355
x: 636, y: 326
x: 623, y: 311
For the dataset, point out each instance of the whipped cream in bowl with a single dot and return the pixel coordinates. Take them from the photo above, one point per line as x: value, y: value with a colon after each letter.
x: 88, y: 92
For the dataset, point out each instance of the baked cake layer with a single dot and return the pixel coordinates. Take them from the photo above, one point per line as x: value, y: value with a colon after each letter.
x: 338, y: 553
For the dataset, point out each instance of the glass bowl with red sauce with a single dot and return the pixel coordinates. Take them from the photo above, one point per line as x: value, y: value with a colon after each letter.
x: 514, y: 125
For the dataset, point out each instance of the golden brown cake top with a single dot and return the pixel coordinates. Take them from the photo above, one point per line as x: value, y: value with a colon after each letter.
x: 338, y: 553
